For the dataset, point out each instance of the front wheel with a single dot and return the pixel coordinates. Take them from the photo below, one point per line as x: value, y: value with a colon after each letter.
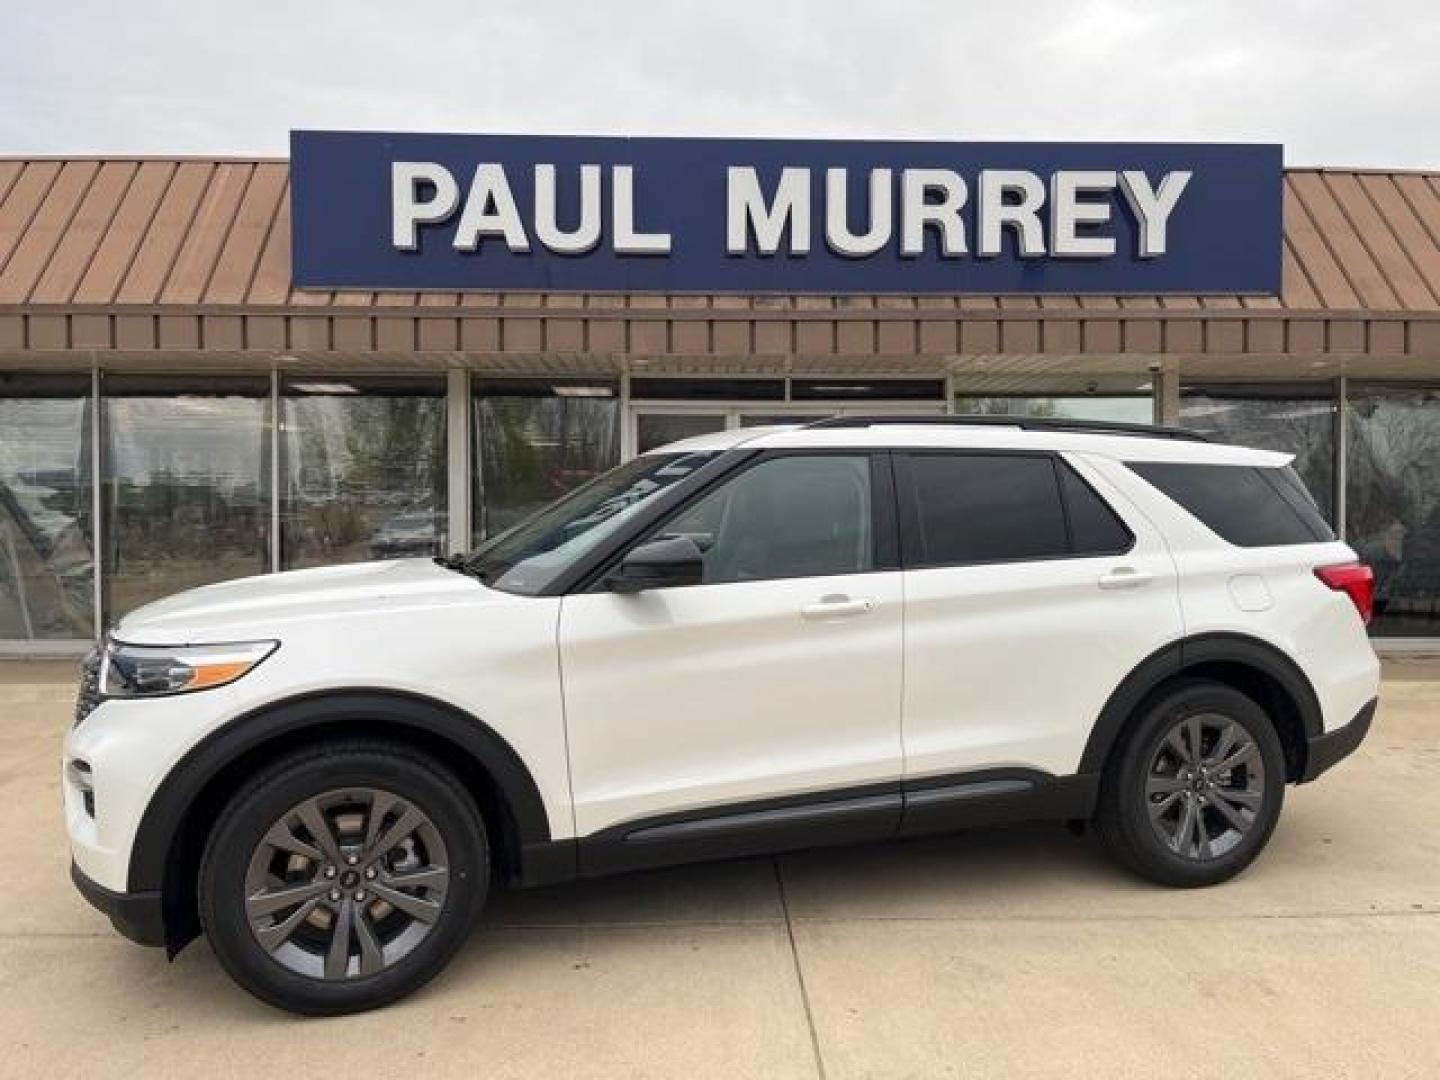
x: 343, y: 877
x: 1193, y: 794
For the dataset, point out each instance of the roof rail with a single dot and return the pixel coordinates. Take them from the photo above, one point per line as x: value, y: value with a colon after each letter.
x: 1024, y: 423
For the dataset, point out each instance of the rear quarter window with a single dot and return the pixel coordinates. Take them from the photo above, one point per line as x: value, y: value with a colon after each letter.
x: 1245, y: 505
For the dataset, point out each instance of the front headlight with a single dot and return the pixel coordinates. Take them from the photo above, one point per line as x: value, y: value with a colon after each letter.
x: 133, y: 671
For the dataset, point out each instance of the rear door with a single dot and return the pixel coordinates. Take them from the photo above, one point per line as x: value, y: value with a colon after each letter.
x: 1032, y: 589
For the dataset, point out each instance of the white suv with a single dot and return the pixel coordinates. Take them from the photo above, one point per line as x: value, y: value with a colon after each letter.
x: 863, y: 628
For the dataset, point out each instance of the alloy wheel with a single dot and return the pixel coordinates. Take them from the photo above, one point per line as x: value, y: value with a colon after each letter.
x: 1205, y: 787
x: 346, y: 883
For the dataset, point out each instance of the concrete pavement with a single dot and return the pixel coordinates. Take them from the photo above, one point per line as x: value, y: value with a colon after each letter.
x: 1008, y: 954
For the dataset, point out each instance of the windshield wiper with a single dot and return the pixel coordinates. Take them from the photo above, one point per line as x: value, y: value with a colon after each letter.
x: 461, y: 564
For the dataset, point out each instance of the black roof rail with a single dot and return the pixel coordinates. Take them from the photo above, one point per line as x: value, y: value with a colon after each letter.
x: 1024, y: 423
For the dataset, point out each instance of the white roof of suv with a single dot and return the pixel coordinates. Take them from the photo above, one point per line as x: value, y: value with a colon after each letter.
x: 986, y: 435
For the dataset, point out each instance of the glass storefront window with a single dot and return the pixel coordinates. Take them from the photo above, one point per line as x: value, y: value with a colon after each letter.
x: 46, y: 535
x: 1392, y: 503
x: 1124, y: 409
x: 364, y: 469
x: 1295, y: 419
x: 535, y: 442
x: 186, y: 484
x: 654, y: 429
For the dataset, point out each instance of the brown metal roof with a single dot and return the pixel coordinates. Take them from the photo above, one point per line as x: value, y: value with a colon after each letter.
x: 148, y: 253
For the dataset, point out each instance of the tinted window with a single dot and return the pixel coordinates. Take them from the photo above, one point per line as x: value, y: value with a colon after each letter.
x: 984, y: 508
x: 1094, y: 527
x: 793, y: 516
x: 1250, y: 507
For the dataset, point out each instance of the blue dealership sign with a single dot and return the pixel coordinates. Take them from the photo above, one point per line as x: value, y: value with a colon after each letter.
x: 454, y: 212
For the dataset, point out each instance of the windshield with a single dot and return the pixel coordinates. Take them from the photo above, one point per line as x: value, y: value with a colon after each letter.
x: 526, y: 558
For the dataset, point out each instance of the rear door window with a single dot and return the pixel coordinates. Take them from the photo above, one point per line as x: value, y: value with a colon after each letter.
x: 976, y: 508
x: 1245, y: 505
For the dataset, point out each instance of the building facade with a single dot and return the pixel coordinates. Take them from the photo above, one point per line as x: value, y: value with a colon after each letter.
x: 175, y: 411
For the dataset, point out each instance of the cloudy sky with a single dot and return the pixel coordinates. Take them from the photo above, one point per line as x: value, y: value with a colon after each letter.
x: 1337, y: 81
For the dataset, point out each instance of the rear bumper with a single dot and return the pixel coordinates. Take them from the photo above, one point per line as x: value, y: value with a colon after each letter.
x: 1325, y: 750
x: 138, y: 916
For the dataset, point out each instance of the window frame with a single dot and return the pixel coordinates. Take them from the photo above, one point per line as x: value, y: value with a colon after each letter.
x: 911, y: 547
x: 884, y: 528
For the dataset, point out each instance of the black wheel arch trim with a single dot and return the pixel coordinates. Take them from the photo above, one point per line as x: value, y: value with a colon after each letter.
x: 1182, y: 655
x: 151, y: 862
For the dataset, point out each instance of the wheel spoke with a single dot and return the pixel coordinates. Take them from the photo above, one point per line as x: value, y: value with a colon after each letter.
x: 1158, y: 810
x: 337, y: 958
x: 1250, y: 800
x: 1180, y: 839
x: 382, y: 803
x: 1236, y: 819
x: 372, y: 956
x: 272, y: 900
x: 283, y: 837
x: 1164, y: 785
x: 1202, y: 835
x: 1192, y: 728
x: 313, y: 818
x: 272, y: 937
x: 409, y: 821
x: 1245, y: 753
x: 1176, y: 742
x: 1228, y: 738
x: 431, y: 877
x: 427, y: 911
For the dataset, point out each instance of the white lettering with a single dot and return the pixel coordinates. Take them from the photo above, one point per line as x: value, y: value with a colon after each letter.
x: 916, y: 211
x: 837, y: 204
x: 1068, y: 212
x: 408, y: 210
x: 627, y: 240
x: 478, y: 220
x: 745, y: 210
x: 1152, y: 208
x: 586, y: 234
x: 1022, y: 216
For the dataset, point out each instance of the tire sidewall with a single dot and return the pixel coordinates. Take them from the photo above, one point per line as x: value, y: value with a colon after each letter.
x: 256, y: 808
x: 1148, y: 853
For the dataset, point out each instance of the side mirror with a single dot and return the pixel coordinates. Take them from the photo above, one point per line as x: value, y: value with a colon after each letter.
x: 659, y: 564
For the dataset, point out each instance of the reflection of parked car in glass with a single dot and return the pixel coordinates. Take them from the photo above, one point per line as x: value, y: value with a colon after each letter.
x: 745, y: 642
x: 412, y: 532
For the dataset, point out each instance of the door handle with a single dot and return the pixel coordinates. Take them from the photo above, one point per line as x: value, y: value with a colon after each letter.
x: 1125, y: 577
x: 837, y: 607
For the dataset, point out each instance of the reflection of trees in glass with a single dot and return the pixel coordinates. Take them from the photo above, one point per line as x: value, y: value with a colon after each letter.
x: 45, y: 533
x: 1393, y: 503
x: 365, y: 477
x: 533, y: 450
x: 186, y: 494
x: 1129, y: 410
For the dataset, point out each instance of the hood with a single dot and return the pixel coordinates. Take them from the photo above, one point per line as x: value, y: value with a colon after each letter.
x: 258, y: 607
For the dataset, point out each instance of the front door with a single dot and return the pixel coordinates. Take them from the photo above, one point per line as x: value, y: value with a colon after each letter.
x: 770, y: 691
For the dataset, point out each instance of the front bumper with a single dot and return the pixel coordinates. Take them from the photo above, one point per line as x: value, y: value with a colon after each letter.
x: 138, y: 916
x: 1325, y: 750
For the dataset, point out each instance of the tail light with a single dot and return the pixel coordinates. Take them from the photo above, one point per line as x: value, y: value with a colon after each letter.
x: 1355, y: 580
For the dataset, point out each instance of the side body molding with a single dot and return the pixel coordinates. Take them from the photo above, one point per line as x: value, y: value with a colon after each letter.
x: 1184, y: 655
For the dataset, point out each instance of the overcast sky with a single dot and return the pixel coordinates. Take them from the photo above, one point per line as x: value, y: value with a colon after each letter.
x: 1339, y: 82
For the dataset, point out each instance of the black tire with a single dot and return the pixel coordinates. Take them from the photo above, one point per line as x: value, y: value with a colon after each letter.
x: 239, y: 842
x: 1139, y: 765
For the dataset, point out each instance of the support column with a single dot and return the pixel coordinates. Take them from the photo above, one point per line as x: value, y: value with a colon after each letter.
x: 457, y: 461
x: 1167, y: 393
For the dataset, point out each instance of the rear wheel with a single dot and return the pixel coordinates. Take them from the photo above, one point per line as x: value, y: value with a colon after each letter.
x: 343, y: 877
x: 1193, y: 794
